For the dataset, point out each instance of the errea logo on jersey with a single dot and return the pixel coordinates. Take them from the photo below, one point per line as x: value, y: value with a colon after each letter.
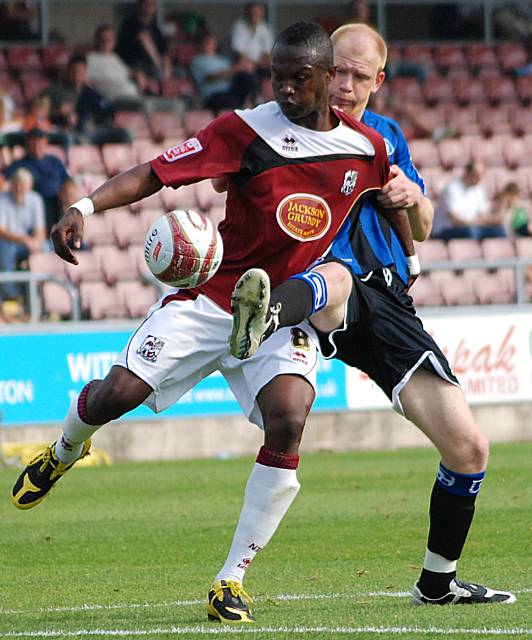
x: 289, y: 142
x: 187, y: 148
x: 304, y: 216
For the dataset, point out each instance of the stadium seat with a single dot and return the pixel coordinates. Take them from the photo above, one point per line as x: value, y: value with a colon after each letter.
x: 167, y: 124
x: 88, y: 269
x: 56, y: 300
x: 521, y: 121
x: 463, y: 249
x: 490, y: 288
x: 449, y: 56
x: 495, y: 121
x: 47, y: 262
x: 33, y: 84
x: 104, y: 303
x: 135, y: 122
x: 85, y: 158
x: 146, y: 150
x: 523, y: 247
x: 468, y: 90
x: 116, y: 264
x: 406, y: 88
x: 437, y: 89
x: 432, y: 250
x: 91, y: 181
x: 136, y: 252
x: 500, y: 89
x: 177, y: 87
x: 495, y: 248
x: 426, y: 292
x: 459, y: 292
x: 55, y: 57
x: 418, y: 53
x: 453, y: 154
x: 182, y: 198
x: 435, y: 180
x: 23, y: 58
x: 207, y: 197
x: 424, y: 153
x: 194, y: 120
x: 118, y: 157
x: 10, y: 86
x: 523, y: 89
x: 511, y: 55
x: 136, y: 297
x: 151, y: 202
x: 517, y: 153
x: 480, y: 56
x: 128, y: 228
x: 98, y: 230
x: 463, y: 121
x: 489, y: 150
x: 147, y: 218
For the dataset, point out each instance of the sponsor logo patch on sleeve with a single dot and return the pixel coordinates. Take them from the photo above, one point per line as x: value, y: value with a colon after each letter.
x: 187, y: 148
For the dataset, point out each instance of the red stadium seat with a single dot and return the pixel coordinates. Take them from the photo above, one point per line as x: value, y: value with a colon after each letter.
x: 55, y: 57
x: 115, y: 264
x: 104, y: 303
x: 426, y: 293
x: 85, y: 158
x: 518, y: 153
x: 177, y: 87
x: 468, y: 89
x: 56, y: 300
x: 419, y: 53
x: 151, y: 202
x: 87, y: 270
x: 182, y: 198
x: 128, y: 228
x: 432, y: 250
x: 195, y: 120
x: 167, y: 124
x: 136, y: 297
x: 23, y: 58
x: 47, y: 262
x: 490, y: 288
x: 453, y: 154
x: 511, y: 55
x: 148, y: 217
x: 463, y: 120
x: 98, y: 230
x: 424, y: 153
x: 481, y: 56
x: 523, y: 247
x: 435, y: 180
x: 438, y: 89
x: 523, y: 89
x: 449, y: 56
x: 489, y: 150
x: 459, y: 292
x: 135, y: 122
x: 495, y: 121
x: 146, y: 150
x: 462, y: 250
x: 406, y: 88
x: 500, y: 89
x: 118, y: 157
x: 33, y: 84
x: 495, y: 248
x: 207, y: 197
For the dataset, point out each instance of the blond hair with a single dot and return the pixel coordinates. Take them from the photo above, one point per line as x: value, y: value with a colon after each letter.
x: 355, y: 29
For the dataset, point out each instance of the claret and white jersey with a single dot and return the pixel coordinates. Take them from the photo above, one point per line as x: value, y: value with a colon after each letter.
x: 290, y: 188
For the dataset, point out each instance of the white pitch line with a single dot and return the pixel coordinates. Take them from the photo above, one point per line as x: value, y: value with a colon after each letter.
x: 221, y: 630
x: 196, y: 602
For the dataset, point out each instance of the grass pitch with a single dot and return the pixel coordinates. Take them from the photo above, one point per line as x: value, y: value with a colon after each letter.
x: 130, y: 550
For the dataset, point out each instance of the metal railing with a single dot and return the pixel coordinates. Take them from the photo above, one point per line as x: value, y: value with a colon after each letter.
x: 34, y: 299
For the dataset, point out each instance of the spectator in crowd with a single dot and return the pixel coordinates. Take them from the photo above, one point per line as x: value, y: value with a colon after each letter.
x: 252, y: 38
x: 81, y: 111
x: 22, y: 227
x: 108, y: 74
x: 141, y: 44
x: 49, y: 174
x: 464, y: 208
x: 512, y: 210
x: 222, y: 85
x: 16, y: 20
x: 38, y: 117
x: 10, y: 126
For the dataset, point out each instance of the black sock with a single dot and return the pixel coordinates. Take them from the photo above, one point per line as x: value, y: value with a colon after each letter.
x: 295, y: 297
x: 450, y: 519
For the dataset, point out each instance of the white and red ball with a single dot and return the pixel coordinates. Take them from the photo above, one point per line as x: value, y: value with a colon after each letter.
x: 183, y: 249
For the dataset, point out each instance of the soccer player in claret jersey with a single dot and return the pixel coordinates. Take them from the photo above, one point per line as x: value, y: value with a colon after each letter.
x: 296, y: 169
x: 385, y: 339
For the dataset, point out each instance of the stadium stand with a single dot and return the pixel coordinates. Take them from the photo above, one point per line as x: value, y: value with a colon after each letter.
x: 474, y: 97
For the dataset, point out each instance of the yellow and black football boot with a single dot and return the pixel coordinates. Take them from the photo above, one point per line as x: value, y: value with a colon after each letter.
x: 228, y: 603
x: 39, y: 477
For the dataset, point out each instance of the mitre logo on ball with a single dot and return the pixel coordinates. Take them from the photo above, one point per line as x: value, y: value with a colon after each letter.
x: 183, y: 249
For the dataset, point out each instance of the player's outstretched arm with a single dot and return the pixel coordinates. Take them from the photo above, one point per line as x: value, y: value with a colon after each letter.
x: 402, y: 193
x: 121, y: 190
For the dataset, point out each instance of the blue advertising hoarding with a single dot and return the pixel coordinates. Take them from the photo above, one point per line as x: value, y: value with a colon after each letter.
x: 41, y: 372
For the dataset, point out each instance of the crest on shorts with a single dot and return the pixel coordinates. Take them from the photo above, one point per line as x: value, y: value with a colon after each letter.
x: 350, y: 180
x: 150, y: 348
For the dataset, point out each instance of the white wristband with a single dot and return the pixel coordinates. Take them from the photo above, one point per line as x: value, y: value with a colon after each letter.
x: 413, y: 264
x: 85, y: 206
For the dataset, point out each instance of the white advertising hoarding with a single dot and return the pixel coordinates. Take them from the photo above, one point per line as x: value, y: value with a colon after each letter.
x: 490, y: 354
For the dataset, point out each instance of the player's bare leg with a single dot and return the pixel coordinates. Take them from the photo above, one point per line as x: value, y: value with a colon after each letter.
x: 440, y: 410
x: 270, y: 490
x: 99, y: 402
x: 319, y: 294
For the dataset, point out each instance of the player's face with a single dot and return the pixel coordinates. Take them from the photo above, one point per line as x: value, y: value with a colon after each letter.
x: 358, y: 75
x: 299, y: 87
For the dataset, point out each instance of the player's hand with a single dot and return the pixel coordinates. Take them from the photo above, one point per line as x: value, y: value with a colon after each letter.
x: 400, y: 192
x: 68, y: 230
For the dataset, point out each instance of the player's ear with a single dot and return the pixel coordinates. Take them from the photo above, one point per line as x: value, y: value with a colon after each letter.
x: 378, y: 81
x: 331, y: 73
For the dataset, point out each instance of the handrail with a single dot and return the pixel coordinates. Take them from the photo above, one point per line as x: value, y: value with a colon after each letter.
x: 33, y: 279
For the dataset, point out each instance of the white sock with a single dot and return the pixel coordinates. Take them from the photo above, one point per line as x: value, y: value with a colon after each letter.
x: 269, y: 493
x: 438, y: 564
x: 68, y: 447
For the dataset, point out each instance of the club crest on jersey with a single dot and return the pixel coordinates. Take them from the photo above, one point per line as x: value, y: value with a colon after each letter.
x: 304, y: 216
x: 150, y: 348
x: 350, y: 180
x: 289, y: 142
x: 187, y: 148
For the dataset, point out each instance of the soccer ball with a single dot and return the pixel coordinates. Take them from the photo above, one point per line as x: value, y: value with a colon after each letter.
x: 183, y: 249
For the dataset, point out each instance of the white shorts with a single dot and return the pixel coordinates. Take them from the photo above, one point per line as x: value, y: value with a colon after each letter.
x: 183, y: 342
